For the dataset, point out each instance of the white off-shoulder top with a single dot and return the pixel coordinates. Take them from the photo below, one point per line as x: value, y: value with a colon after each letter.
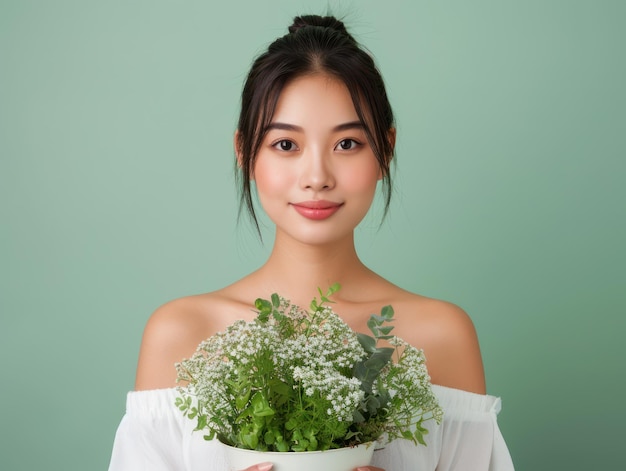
x: 154, y: 436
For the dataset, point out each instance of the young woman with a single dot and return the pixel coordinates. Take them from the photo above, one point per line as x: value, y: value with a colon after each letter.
x: 315, y: 135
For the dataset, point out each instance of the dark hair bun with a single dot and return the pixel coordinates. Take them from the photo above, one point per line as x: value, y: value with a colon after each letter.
x: 316, y: 20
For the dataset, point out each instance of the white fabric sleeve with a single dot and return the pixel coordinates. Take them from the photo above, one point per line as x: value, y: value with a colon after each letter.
x: 149, y: 436
x: 470, y: 437
x: 155, y: 436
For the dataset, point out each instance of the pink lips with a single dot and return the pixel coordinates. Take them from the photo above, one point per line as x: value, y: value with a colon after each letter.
x: 317, y: 210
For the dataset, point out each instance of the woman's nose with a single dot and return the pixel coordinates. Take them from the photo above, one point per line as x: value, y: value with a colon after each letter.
x: 316, y: 172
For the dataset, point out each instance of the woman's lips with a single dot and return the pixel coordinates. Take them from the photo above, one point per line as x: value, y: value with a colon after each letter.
x: 316, y: 210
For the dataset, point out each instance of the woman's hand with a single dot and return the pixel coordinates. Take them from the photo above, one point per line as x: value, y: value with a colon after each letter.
x: 260, y: 467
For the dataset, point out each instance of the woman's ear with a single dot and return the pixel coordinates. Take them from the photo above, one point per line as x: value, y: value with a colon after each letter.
x: 391, y: 135
x: 239, y: 154
x: 392, y: 140
x: 237, y: 146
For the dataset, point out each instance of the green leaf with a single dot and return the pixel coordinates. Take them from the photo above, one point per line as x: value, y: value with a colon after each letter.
x: 372, y: 404
x: 278, y: 315
x: 281, y: 445
x: 250, y: 439
x: 385, y: 330
x: 357, y: 417
x: 373, y: 325
x: 359, y: 371
x: 260, y: 406
x: 263, y: 305
x: 218, y: 421
x: 242, y: 400
x: 379, y: 359
x: 384, y: 397
x: 275, y: 300
x: 202, y: 422
x: 264, y: 412
x: 312, y: 446
x: 387, y: 313
x: 301, y: 445
x: 279, y: 387
x: 333, y: 289
x: 388, y: 351
x: 368, y: 343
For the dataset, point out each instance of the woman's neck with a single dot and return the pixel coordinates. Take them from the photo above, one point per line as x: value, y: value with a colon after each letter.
x: 297, y: 270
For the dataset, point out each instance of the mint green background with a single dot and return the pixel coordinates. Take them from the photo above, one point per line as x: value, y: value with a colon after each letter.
x: 116, y: 195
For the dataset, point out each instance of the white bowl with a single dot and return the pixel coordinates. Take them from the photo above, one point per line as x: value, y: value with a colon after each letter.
x: 340, y: 459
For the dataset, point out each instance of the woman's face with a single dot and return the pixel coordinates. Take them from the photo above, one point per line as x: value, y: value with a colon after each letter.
x: 315, y: 172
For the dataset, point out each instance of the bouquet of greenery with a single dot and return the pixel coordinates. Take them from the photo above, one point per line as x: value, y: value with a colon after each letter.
x: 293, y: 380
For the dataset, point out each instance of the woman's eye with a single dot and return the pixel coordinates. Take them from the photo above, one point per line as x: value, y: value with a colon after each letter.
x: 347, y: 144
x: 285, y: 145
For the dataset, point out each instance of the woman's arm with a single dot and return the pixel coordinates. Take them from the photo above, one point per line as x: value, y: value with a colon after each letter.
x: 171, y: 334
x: 447, y: 335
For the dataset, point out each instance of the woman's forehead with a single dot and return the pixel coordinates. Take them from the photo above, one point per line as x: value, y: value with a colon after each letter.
x: 308, y: 99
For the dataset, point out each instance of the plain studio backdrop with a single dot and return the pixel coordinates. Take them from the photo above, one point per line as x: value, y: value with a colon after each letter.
x: 117, y: 195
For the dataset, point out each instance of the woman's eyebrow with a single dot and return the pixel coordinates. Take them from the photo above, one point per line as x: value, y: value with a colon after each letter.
x: 293, y: 127
x: 284, y: 127
x: 348, y: 126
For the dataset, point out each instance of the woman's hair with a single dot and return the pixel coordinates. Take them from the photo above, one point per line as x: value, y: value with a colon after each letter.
x: 314, y: 44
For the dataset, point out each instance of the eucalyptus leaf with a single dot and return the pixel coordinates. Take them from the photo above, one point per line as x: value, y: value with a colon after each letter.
x: 358, y: 417
x: 372, y: 404
x: 372, y: 326
x: 387, y: 313
x: 368, y: 343
x: 379, y: 359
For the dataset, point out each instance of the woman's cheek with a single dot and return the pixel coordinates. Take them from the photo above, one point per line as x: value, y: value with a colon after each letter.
x: 269, y: 179
x: 361, y: 178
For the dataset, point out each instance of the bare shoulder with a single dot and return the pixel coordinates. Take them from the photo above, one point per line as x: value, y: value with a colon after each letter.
x: 447, y: 335
x: 174, y: 331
